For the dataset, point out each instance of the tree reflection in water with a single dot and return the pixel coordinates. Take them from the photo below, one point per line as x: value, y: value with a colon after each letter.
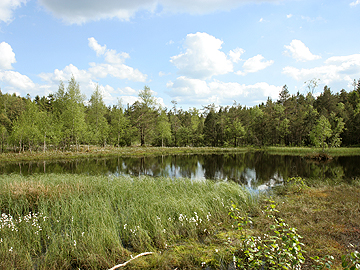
x: 254, y: 169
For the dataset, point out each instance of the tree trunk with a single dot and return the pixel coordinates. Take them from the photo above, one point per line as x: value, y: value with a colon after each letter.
x: 45, y: 142
x: 142, y: 137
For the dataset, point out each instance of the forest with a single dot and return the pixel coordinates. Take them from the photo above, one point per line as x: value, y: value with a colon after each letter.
x: 65, y: 120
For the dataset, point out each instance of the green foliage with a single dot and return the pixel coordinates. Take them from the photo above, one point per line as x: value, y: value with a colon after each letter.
x: 121, y: 131
x: 97, y: 124
x: 94, y: 222
x: 296, y: 184
x: 279, y: 248
x: 143, y: 115
x: 325, y: 262
x: 321, y: 133
x: 163, y: 128
x: 351, y: 261
x: 329, y: 120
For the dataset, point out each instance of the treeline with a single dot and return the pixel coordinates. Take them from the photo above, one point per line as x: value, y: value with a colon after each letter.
x: 65, y: 120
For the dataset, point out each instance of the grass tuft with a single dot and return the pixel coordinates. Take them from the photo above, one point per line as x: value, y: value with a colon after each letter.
x: 95, y: 222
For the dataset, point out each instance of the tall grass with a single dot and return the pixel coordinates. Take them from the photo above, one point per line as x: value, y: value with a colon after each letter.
x: 94, y: 222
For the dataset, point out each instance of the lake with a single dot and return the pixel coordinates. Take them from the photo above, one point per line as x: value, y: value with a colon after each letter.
x: 254, y: 169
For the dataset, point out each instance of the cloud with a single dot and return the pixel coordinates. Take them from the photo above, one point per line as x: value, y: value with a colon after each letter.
x: 299, y: 51
x: 161, y: 73
x: 114, y: 64
x: 289, y: 16
x: 355, y: 3
x: 86, y: 80
x: 81, y: 76
x: 235, y: 55
x: 13, y: 80
x: 202, y: 58
x: 7, y: 56
x: 111, y: 56
x: 336, y: 68
x: 7, y: 7
x: 201, y: 92
x: 129, y: 96
x: 119, y: 71
x: 255, y: 64
x: 16, y: 81
x: 82, y: 11
x: 93, y: 44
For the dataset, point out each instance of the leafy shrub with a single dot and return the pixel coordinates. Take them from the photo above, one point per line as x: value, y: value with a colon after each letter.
x: 279, y: 248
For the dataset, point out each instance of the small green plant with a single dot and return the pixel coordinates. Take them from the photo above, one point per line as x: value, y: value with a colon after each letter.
x: 279, y: 248
x: 351, y: 261
x: 296, y: 184
x: 322, y: 263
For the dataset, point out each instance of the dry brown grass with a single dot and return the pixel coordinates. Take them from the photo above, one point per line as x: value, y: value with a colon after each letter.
x: 327, y: 217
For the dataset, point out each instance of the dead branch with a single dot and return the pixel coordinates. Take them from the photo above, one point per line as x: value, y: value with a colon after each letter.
x: 125, y: 263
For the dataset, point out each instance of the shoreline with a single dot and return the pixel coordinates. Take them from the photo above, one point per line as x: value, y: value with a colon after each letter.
x: 137, y: 151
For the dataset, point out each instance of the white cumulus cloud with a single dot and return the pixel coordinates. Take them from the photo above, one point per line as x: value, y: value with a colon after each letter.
x: 93, y: 44
x: 299, y: 51
x: 16, y: 81
x: 255, y: 64
x: 7, y: 56
x: 81, y: 11
x: 114, y: 64
x: 7, y: 7
x: 202, y: 58
x: 336, y: 68
x: 235, y: 55
x: 202, y: 92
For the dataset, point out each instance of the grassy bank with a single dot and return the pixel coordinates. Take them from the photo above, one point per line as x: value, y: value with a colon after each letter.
x: 304, y: 151
x: 85, y: 222
x: 109, y: 151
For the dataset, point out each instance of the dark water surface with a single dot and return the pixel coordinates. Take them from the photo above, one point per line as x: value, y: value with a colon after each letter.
x: 254, y: 169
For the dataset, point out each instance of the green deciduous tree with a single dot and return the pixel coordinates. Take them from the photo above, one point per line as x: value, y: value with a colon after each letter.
x: 27, y: 128
x: 121, y: 132
x: 337, y: 127
x: 163, y: 128
x: 143, y: 115
x: 72, y: 113
x: 321, y: 132
x: 97, y: 124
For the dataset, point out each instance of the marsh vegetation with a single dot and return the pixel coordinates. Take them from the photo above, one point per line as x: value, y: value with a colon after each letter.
x: 63, y: 221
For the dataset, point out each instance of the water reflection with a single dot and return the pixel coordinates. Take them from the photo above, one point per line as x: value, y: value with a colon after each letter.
x: 254, y: 169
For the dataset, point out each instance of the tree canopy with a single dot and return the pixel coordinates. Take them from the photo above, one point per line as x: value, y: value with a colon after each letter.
x: 64, y: 120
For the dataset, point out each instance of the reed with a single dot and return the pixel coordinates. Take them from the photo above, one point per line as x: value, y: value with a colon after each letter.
x: 95, y: 222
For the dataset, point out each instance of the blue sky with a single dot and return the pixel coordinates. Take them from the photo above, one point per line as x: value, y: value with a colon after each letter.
x: 196, y: 52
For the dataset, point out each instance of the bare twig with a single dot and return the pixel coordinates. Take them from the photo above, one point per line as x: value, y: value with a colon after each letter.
x: 125, y: 263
